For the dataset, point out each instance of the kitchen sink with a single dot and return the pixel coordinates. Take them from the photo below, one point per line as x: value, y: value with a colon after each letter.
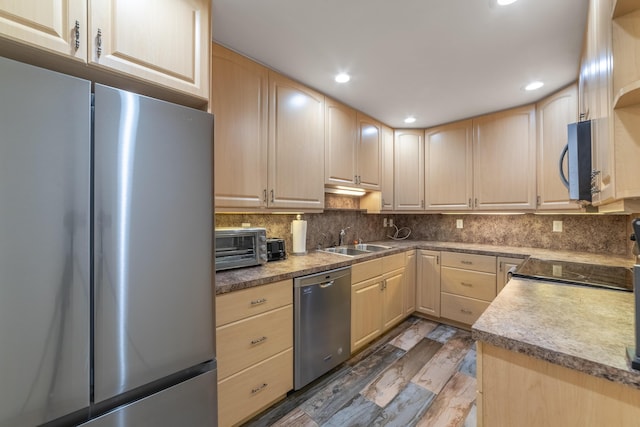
x: 343, y: 250
x: 353, y: 250
x: 371, y: 248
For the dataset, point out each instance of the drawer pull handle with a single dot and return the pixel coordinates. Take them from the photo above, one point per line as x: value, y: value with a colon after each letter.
x: 259, y: 388
x: 466, y: 284
x: 466, y: 262
x: 258, y: 301
x: 258, y: 340
x: 462, y: 310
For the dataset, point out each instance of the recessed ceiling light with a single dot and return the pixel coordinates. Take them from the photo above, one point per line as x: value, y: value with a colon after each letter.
x: 410, y: 119
x: 505, y: 2
x: 343, y: 78
x: 534, y: 85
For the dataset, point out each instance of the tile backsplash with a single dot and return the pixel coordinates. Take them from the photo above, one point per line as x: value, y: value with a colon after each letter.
x: 605, y: 234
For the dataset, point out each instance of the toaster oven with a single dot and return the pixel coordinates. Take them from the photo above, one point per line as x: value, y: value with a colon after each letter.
x: 240, y: 247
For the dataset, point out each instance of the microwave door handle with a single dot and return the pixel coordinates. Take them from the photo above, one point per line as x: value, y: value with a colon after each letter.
x: 563, y: 178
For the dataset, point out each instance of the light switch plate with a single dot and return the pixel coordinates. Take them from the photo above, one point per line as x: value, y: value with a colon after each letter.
x: 459, y: 223
x: 557, y: 226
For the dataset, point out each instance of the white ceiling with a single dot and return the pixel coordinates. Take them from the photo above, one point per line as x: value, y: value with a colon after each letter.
x: 439, y: 60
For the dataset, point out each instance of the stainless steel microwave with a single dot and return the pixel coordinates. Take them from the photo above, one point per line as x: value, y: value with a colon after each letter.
x: 240, y: 247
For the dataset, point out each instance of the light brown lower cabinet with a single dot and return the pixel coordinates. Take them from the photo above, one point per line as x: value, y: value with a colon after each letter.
x: 518, y: 390
x: 254, y: 337
x: 377, y: 297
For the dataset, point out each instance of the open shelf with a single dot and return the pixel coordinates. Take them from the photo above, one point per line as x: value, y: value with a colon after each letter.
x: 628, y: 96
x: 622, y: 7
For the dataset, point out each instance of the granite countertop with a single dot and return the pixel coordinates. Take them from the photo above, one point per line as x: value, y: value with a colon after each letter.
x: 581, y: 328
x: 314, y: 261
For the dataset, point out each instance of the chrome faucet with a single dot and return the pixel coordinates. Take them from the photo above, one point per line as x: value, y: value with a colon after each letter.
x: 343, y: 233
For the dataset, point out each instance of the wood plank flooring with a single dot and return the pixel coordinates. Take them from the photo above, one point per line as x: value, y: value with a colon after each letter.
x: 421, y: 373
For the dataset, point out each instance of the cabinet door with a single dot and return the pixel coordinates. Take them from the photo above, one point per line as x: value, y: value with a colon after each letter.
x: 409, y: 170
x: 393, y: 298
x: 47, y: 24
x: 410, y: 283
x: 449, y: 167
x: 428, y: 284
x: 165, y: 42
x: 504, y: 265
x: 553, y: 115
x: 504, y: 160
x: 340, y: 135
x: 239, y: 103
x: 369, y: 152
x: 296, y: 145
x: 387, y: 169
x: 366, y: 316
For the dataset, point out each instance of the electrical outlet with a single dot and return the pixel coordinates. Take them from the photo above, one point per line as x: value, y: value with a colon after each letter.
x: 557, y: 226
x: 384, y: 222
x: 459, y: 223
x: 557, y: 270
x: 390, y: 222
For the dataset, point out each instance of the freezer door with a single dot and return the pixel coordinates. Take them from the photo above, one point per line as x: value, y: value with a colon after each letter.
x: 152, y: 241
x: 45, y: 152
x: 192, y: 403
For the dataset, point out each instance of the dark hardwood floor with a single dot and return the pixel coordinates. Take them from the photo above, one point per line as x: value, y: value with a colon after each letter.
x: 421, y: 373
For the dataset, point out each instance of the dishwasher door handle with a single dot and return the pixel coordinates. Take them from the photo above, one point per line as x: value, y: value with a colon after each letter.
x: 327, y: 284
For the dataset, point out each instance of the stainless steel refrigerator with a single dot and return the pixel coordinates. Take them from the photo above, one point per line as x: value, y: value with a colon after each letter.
x: 106, y: 220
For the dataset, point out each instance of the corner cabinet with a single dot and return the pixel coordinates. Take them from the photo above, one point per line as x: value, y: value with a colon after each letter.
x: 388, y: 168
x: 428, y: 282
x: 240, y: 105
x: 164, y: 45
x: 449, y: 167
x: 504, y: 159
x: 554, y: 113
x: 409, y: 170
x: 296, y: 145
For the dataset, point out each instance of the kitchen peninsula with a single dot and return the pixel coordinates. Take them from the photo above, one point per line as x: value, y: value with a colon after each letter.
x: 551, y: 354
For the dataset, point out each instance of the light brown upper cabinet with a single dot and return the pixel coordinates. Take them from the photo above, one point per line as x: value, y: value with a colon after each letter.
x: 369, y: 153
x: 504, y: 159
x: 553, y: 115
x: 296, y: 145
x: 340, y: 144
x: 165, y: 44
x: 353, y: 148
x: 409, y: 170
x: 57, y: 27
x: 595, y: 96
x: 240, y: 105
x: 387, y: 169
x: 449, y: 167
x: 269, y: 138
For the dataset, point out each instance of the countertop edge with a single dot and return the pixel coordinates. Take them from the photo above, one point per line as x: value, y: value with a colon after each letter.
x: 575, y: 363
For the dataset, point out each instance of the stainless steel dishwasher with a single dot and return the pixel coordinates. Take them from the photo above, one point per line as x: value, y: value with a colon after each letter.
x: 322, y: 329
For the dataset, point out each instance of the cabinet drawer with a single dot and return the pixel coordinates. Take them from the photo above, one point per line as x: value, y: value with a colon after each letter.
x: 474, y: 262
x: 393, y: 262
x: 244, y: 394
x: 469, y: 283
x: 366, y: 270
x: 461, y: 309
x: 246, y: 342
x: 249, y: 302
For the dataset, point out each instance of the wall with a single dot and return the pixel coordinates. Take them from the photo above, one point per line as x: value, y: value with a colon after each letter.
x: 605, y: 234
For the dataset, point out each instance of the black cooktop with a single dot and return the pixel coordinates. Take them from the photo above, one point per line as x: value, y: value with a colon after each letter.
x: 575, y: 273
